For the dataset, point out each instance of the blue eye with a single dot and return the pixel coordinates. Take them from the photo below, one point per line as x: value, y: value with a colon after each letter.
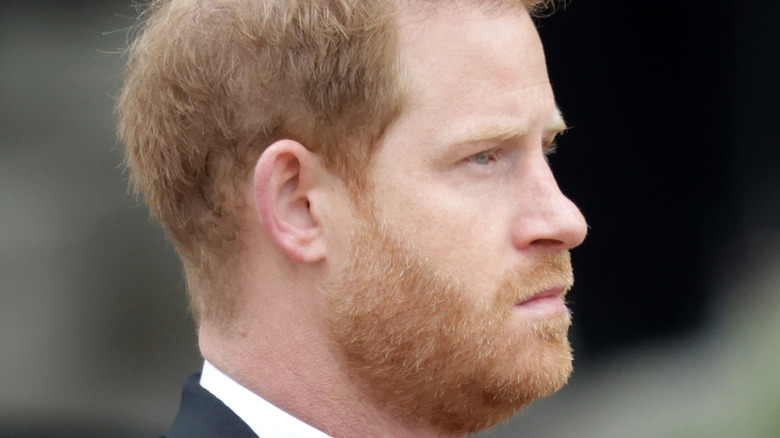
x: 482, y: 157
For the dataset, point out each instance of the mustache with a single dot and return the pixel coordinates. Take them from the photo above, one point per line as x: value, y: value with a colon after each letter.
x: 547, y: 271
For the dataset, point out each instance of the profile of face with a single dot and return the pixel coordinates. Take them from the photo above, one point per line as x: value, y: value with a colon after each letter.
x: 449, y: 305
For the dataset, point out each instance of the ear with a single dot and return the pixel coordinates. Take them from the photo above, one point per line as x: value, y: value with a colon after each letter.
x: 285, y: 175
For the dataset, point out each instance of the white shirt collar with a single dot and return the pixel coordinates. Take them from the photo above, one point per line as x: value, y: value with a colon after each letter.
x: 265, y: 419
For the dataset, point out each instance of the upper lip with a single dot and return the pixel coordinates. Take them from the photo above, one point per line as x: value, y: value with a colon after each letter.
x: 555, y: 291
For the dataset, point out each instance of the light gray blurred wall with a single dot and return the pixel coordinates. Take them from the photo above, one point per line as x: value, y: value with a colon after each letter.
x: 94, y: 330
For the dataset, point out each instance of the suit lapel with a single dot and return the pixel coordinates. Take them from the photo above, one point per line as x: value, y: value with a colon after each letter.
x: 202, y: 415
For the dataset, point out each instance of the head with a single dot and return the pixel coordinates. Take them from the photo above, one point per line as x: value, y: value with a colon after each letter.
x: 210, y: 84
x: 447, y: 243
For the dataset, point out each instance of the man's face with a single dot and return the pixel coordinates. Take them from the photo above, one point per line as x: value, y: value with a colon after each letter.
x: 450, y: 304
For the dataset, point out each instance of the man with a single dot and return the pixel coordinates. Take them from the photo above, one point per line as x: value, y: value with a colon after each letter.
x: 373, y: 241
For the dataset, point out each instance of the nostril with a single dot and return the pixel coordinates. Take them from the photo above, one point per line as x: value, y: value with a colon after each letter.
x: 551, y: 243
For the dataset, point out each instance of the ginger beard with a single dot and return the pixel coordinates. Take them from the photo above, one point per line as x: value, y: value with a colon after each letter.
x: 429, y: 350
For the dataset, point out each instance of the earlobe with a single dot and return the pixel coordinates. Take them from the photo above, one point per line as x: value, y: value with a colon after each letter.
x: 285, y: 175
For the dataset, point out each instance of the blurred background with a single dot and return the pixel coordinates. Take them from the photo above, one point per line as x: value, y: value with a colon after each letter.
x: 673, y: 158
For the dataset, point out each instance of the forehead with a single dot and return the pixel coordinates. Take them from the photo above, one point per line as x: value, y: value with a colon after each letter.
x: 470, y: 42
x: 470, y: 65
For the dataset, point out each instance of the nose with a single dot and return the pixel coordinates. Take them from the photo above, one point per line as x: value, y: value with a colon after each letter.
x: 546, y: 218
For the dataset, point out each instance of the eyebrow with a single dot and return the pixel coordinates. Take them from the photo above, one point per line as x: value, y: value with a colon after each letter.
x: 500, y: 129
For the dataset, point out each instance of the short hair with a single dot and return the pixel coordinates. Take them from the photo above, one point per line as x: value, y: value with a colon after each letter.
x: 210, y: 84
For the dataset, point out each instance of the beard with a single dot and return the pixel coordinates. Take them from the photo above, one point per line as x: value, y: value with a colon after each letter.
x: 429, y: 350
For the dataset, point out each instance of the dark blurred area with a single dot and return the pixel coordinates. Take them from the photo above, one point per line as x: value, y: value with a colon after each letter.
x: 653, y: 160
x: 672, y: 156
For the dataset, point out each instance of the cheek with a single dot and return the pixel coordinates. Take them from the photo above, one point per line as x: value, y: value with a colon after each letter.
x: 471, y: 224
x: 455, y: 237
x: 452, y: 222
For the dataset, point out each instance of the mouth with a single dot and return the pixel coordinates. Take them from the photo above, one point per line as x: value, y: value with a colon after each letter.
x: 547, y: 301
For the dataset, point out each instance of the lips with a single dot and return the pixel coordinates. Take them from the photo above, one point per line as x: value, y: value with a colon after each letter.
x: 548, y: 300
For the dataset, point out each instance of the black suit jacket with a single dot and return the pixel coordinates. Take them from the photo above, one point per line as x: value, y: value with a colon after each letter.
x: 202, y: 415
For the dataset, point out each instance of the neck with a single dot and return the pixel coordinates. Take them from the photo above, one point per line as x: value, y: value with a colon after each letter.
x: 301, y: 372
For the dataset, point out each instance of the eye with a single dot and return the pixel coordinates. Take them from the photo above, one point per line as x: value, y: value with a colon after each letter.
x: 483, y: 157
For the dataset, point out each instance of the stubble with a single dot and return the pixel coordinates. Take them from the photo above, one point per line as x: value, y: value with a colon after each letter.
x: 421, y: 344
